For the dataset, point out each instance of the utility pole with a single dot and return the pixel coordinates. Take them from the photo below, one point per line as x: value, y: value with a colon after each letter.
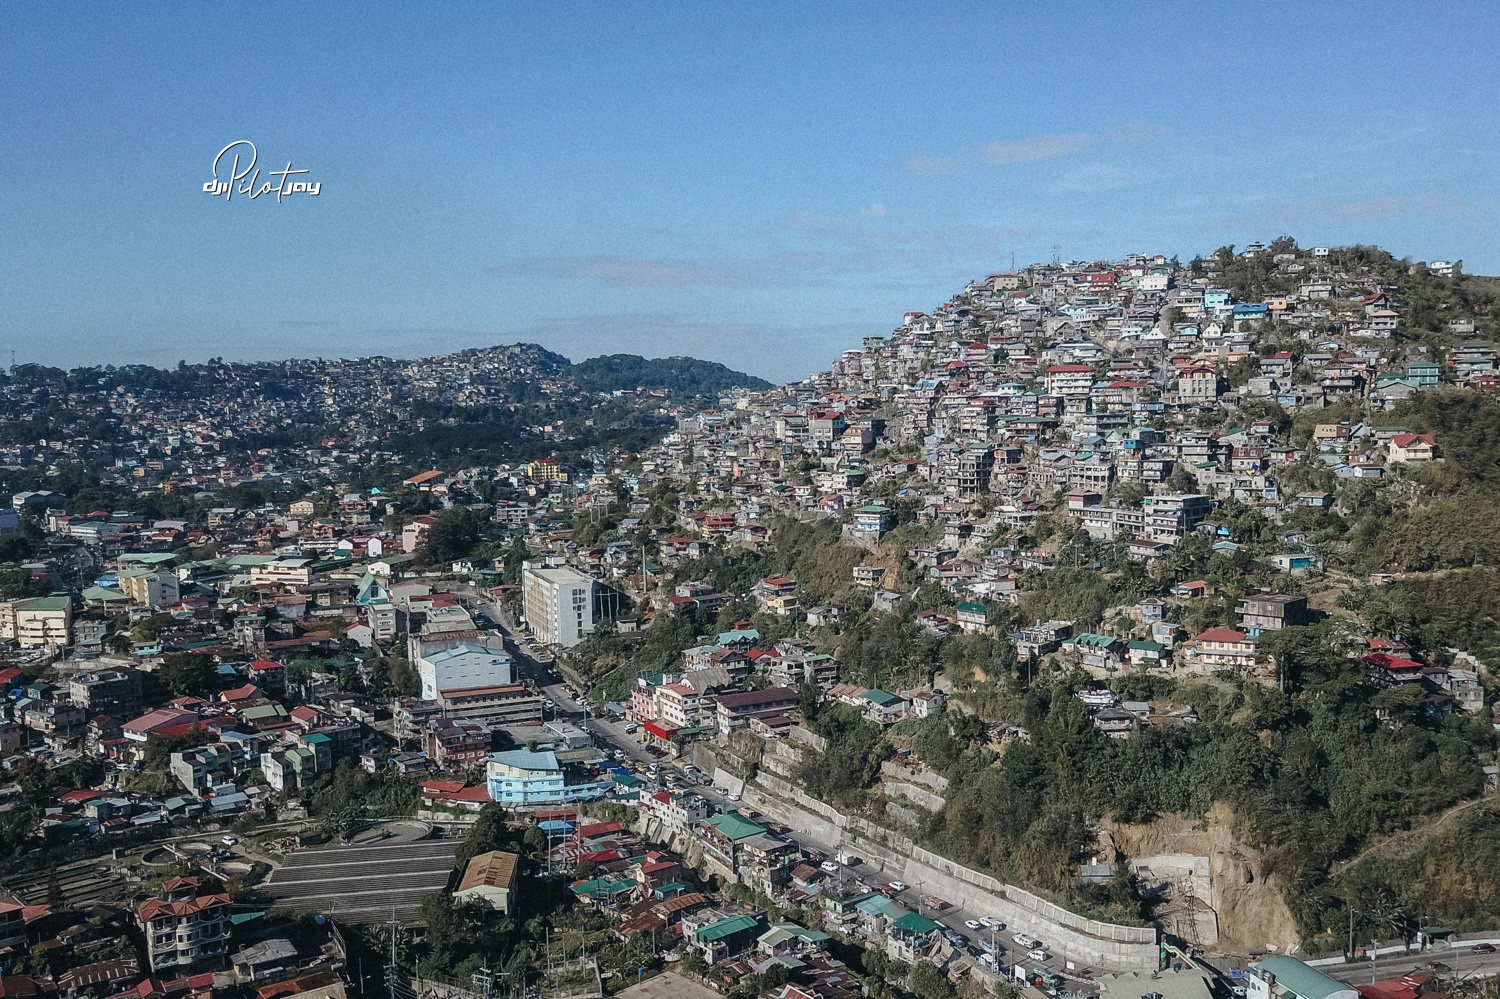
x: 483, y: 981
x: 391, y: 970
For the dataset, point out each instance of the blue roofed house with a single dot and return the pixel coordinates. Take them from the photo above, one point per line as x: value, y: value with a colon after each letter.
x: 1252, y: 312
x: 524, y: 778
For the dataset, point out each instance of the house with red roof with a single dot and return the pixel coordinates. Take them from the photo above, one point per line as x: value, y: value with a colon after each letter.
x: 1223, y: 648
x: 182, y: 927
x: 162, y: 721
x: 1412, y: 448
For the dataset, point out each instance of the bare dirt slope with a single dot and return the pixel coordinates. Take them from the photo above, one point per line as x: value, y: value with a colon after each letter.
x: 1248, y: 901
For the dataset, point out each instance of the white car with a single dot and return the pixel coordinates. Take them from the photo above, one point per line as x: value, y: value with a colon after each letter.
x: 1038, y: 954
x: 992, y: 922
x: 988, y: 960
x: 1025, y: 941
x: 829, y: 867
x: 899, y: 886
x: 228, y: 840
x: 972, y: 924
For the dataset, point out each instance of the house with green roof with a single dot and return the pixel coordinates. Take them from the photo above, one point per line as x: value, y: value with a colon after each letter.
x: 723, y: 938
x: 883, y: 707
x: 1102, y: 652
x: 720, y: 835
x: 1283, y: 977
x: 1144, y: 655
x: 876, y: 912
x: 972, y: 616
x: 104, y: 597
x: 783, y: 938
x: 605, y: 890
x: 912, y: 937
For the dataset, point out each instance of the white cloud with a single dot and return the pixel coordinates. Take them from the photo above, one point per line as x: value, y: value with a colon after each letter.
x: 1038, y: 147
x: 1335, y: 210
x: 1031, y: 149
x: 931, y: 166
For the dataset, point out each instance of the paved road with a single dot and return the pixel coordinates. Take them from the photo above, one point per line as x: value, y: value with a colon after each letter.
x: 1460, y: 961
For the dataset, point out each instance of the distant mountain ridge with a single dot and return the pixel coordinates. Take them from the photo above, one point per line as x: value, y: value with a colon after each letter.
x: 677, y: 375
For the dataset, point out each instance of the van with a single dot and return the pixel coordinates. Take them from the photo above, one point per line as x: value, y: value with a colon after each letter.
x: 1022, y: 940
x: 1038, y: 954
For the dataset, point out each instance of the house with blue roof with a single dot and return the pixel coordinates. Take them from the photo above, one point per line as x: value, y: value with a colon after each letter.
x: 525, y: 778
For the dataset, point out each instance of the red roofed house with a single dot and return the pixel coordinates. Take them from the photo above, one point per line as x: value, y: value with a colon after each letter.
x: 676, y: 811
x: 12, y: 921
x: 181, y: 927
x: 156, y: 721
x: 268, y: 675
x: 1413, y: 448
x: 1223, y: 648
x: 655, y: 873
x: 1386, y: 668
x: 321, y: 984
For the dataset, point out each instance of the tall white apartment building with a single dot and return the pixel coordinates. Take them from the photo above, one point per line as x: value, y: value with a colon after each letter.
x: 559, y: 604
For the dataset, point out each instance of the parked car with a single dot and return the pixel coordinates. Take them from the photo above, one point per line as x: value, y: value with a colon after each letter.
x: 828, y: 867
x: 1022, y: 940
x: 1038, y: 954
x: 1482, y: 948
x: 958, y: 940
x: 229, y: 840
x: 899, y: 886
x: 992, y: 922
x: 972, y: 924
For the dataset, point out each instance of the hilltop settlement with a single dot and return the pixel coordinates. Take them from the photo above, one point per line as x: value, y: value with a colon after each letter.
x: 1118, y: 628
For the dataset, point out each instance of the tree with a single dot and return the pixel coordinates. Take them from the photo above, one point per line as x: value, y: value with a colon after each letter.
x: 455, y: 534
x: 927, y: 982
x: 189, y: 673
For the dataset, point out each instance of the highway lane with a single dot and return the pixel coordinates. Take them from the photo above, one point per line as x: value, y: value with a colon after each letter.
x: 1460, y: 960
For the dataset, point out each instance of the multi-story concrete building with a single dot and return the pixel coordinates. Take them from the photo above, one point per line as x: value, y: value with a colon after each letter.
x: 558, y: 603
x: 182, y: 927
x: 1271, y: 612
x: 107, y: 692
x: 194, y: 768
x: 149, y: 587
x: 522, y: 778
x: 466, y: 665
x: 38, y: 623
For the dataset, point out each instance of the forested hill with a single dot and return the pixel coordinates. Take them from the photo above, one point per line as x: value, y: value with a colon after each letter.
x: 678, y: 375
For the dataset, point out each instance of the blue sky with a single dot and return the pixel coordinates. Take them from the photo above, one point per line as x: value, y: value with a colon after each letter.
x: 757, y: 184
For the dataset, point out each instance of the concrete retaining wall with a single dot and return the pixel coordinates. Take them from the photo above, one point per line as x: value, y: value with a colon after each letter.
x: 916, y: 795
x: 896, y: 771
x: 1074, y: 937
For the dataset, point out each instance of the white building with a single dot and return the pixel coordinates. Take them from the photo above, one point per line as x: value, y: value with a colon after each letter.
x: 559, y: 604
x: 464, y: 666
